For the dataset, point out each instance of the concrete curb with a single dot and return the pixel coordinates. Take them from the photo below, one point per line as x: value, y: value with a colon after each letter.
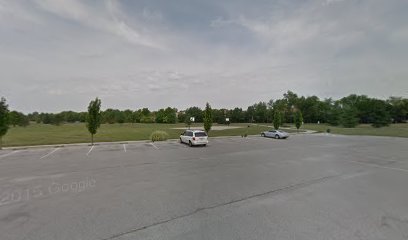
x: 72, y: 145
x: 100, y: 143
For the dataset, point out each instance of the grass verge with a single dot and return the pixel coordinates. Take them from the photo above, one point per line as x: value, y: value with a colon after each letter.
x: 42, y: 134
x: 394, y: 130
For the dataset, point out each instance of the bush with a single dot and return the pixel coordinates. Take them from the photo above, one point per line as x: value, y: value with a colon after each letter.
x: 159, y: 136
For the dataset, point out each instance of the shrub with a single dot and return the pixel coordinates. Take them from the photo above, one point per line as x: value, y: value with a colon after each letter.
x: 159, y: 136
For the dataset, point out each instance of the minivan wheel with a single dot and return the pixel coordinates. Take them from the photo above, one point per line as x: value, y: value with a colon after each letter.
x: 190, y: 143
x: 277, y: 136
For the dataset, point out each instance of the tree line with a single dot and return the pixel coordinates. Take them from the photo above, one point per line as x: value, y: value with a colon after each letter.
x: 347, y: 111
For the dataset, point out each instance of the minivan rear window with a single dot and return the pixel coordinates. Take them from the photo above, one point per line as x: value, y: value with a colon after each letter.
x: 201, y: 134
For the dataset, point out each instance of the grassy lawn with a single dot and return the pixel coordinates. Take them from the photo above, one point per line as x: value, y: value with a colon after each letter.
x: 40, y: 134
x: 394, y: 130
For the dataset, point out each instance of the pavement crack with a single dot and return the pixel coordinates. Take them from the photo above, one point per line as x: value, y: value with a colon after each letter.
x: 275, y: 191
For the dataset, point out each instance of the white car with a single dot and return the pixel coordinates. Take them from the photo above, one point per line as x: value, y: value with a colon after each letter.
x: 194, y: 137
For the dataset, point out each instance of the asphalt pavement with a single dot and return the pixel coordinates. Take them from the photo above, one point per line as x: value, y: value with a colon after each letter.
x: 310, y: 186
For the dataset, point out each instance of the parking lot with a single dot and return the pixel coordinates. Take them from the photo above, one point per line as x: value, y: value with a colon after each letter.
x: 310, y: 186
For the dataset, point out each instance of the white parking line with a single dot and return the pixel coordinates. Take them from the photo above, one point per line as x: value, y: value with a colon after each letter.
x: 154, y: 145
x: 90, y: 150
x: 10, y: 153
x: 48, y: 154
x: 124, y: 147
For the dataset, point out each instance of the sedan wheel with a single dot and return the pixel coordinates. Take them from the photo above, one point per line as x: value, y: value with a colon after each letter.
x: 277, y: 136
x: 262, y: 134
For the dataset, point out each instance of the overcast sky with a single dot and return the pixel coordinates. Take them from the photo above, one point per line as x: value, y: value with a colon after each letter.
x: 58, y: 55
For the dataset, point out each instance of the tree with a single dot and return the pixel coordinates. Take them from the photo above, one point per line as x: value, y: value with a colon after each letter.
x: 258, y: 112
x: 348, y: 117
x: 208, y: 117
x: 127, y: 114
x: 298, y: 119
x: 57, y: 119
x: 82, y: 116
x: 136, y: 116
x: 291, y: 100
x: 277, y: 120
x: 18, y: 119
x: 167, y: 115
x: 120, y: 116
x: 218, y: 115
x: 33, y: 117
x: 280, y: 105
x: 145, y: 112
x: 310, y: 107
x: 261, y: 112
x: 160, y: 115
x: 399, y: 109
x: 379, y: 116
x: 195, y: 112
x: 109, y: 116
x: 250, y: 114
x: 237, y: 115
x: 170, y: 115
x: 181, y: 117
x: 46, y: 118
x: 4, y: 119
x: 14, y: 118
x: 94, y: 117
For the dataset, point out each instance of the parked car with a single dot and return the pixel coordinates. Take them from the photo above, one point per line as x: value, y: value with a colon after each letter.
x: 275, y: 134
x: 194, y: 137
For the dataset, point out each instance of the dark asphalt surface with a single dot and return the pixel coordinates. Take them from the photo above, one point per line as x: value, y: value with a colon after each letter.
x: 306, y: 187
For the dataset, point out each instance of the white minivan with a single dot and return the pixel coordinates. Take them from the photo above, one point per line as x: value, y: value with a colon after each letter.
x: 194, y: 137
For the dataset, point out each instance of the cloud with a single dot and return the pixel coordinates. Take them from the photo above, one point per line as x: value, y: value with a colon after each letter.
x: 107, y: 20
x: 58, y: 54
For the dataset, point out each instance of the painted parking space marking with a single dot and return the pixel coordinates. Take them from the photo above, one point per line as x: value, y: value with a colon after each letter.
x: 90, y: 150
x: 10, y: 153
x: 48, y: 154
x: 154, y: 145
x: 124, y: 147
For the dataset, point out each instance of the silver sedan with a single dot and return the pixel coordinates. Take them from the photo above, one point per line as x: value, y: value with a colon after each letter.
x: 275, y: 134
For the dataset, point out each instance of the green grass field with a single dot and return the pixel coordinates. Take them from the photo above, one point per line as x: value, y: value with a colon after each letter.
x: 41, y: 134
x: 394, y: 130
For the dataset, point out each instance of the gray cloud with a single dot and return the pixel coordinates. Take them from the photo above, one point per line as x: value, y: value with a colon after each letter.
x: 58, y: 55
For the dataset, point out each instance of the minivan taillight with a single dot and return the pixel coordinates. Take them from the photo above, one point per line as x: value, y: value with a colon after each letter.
x: 193, y: 138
